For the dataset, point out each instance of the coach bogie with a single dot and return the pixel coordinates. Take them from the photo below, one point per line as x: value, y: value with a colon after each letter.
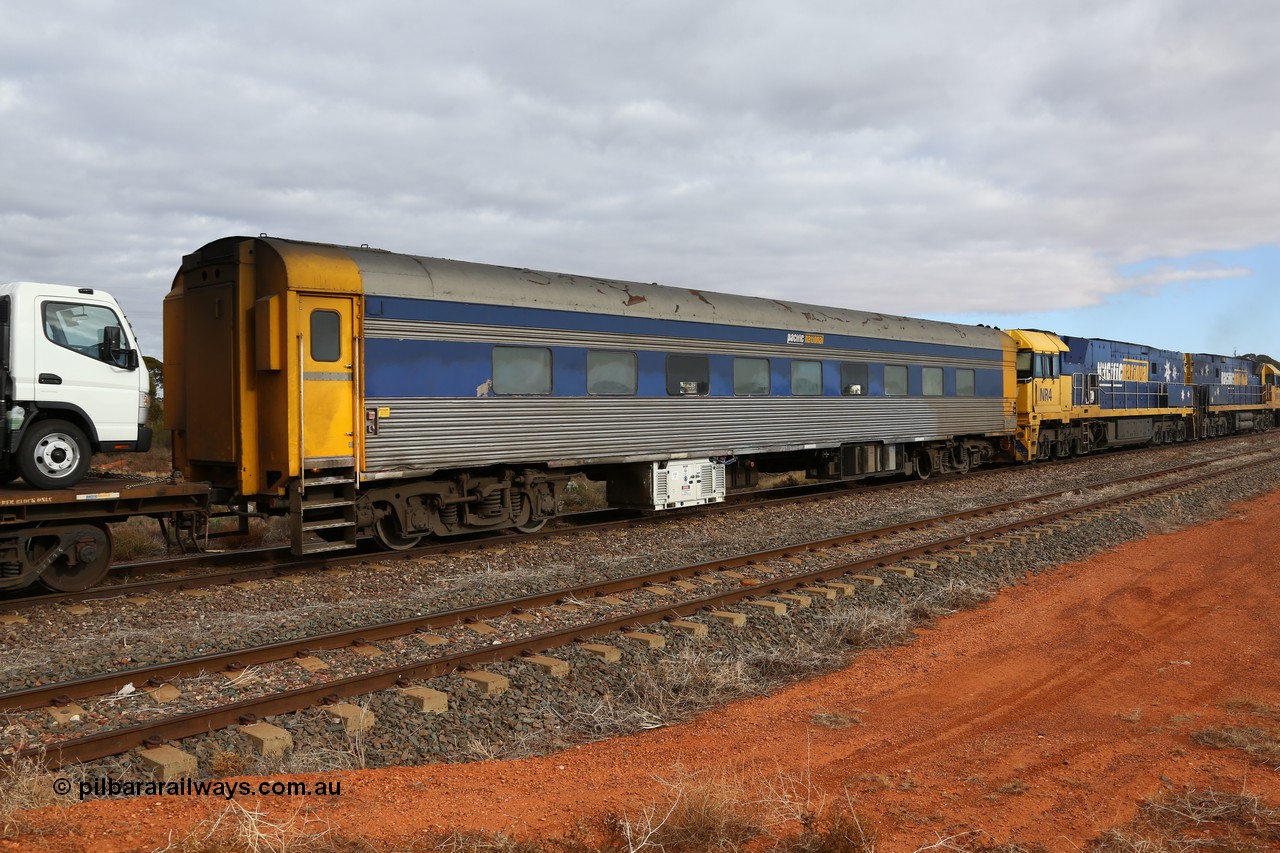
x: 399, y: 516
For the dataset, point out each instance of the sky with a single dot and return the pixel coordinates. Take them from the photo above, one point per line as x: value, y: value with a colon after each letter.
x: 1106, y: 169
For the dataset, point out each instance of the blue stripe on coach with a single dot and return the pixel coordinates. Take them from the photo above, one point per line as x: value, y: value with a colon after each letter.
x: 402, y: 308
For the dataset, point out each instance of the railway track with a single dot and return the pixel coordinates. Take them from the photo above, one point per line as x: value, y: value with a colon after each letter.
x: 274, y: 562
x: 441, y: 643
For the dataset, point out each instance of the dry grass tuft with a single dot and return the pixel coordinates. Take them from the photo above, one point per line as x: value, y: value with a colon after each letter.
x: 1249, y: 705
x: 138, y: 538
x: 1261, y: 744
x: 25, y: 783
x: 1196, y: 820
x: 236, y: 829
x: 225, y: 763
x: 665, y: 690
x: 865, y: 627
x: 838, y: 829
x: 834, y: 720
x: 696, y: 817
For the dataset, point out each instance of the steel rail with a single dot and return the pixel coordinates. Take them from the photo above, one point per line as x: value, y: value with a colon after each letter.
x: 115, y: 741
x: 284, y: 564
x: 154, y: 674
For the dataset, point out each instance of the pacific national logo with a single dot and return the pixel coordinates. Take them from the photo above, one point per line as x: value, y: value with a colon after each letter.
x: 1124, y: 371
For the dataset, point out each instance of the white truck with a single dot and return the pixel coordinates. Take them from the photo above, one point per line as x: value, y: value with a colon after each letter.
x: 74, y: 383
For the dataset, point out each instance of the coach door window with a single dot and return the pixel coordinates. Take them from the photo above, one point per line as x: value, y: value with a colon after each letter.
x: 688, y: 375
x: 326, y: 335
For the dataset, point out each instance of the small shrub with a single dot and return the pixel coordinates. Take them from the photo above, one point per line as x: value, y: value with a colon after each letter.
x: 835, y: 830
x: 138, y: 538
x: 697, y: 816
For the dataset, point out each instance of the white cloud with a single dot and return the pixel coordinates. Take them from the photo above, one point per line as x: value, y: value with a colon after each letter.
x: 912, y: 157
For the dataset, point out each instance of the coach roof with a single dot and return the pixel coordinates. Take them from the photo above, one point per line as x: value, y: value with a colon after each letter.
x: 395, y: 275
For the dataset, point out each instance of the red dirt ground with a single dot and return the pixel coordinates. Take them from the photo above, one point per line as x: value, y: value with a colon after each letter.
x: 1043, y: 716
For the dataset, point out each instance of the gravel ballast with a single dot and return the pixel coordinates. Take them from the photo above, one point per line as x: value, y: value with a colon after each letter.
x: 647, y: 688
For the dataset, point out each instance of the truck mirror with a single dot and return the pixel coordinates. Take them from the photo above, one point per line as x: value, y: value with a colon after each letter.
x: 112, y: 351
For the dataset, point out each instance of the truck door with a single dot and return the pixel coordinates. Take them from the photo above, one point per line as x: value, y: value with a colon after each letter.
x: 330, y: 405
x: 73, y: 367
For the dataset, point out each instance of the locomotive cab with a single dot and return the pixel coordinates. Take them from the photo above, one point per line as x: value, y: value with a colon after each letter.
x: 1044, y: 393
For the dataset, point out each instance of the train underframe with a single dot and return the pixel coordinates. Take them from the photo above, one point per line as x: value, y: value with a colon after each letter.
x: 1060, y: 440
x: 402, y: 513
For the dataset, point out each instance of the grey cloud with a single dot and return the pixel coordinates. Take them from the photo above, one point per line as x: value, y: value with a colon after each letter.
x: 912, y: 157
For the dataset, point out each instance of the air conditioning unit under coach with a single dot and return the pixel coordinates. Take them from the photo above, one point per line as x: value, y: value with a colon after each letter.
x: 667, y: 485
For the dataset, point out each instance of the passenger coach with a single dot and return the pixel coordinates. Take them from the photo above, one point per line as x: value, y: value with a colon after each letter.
x: 362, y: 390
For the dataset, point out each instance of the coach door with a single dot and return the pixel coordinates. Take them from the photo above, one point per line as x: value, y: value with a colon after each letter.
x: 329, y: 405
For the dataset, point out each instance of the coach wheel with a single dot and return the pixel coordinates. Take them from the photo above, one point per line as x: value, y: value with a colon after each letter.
x: 387, y: 531
x: 525, y: 522
x: 84, y: 563
x: 532, y: 525
x: 54, y: 455
x: 924, y: 465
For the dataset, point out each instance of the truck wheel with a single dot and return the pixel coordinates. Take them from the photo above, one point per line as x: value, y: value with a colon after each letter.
x: 54, y: 455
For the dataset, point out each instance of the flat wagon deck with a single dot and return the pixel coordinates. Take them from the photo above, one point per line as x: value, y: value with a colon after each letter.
x: 60, y: 537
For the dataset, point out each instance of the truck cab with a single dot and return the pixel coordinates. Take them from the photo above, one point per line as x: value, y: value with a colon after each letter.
x: 73, y: 382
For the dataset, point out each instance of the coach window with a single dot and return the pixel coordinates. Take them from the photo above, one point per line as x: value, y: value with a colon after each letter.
x: 521, y: 370
x: 895, y: 380
x: 931, y: 381
x: 806, y: 378
x: 326, y: 335
x: 688, y: 375
x: 751, y: 377
x: 611, y: 372
x: 853, y: 379
x: 965, y: 385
